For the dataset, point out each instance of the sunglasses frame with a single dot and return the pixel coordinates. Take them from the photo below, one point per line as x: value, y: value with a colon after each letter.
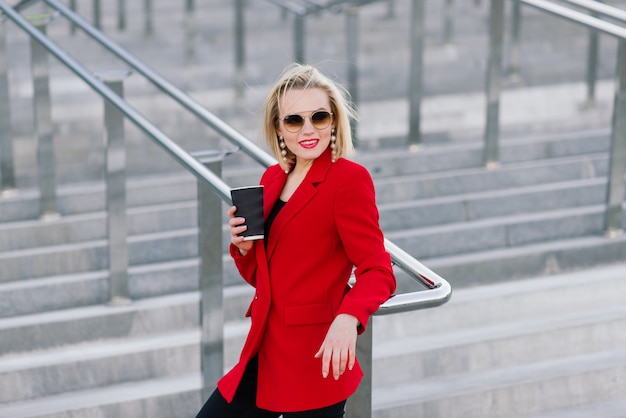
x: 303, y: 119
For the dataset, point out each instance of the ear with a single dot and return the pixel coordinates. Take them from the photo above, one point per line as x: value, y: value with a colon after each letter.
x: 278, y: 130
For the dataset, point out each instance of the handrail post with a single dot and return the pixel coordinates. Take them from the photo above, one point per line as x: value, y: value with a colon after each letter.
x: 240, y: 48
x: 43, y: 123
x: 352, y: 40
x: 617, y: 158
x: 191, y: 31
x: 7, y: 168
x: 74, y: 8
x: 416, y: 73
x: 592, y: 64
x: 514, y: 55
x: 494, y: 76
x: 147, y: 18
x: 121, y: 15
x: 97, y: 14
x: 298, y: 37
x: 211, y: 276
x: 115, y: 177
x: 359, y: 405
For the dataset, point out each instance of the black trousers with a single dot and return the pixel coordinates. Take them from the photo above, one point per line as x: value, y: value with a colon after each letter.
x: 244, y: 403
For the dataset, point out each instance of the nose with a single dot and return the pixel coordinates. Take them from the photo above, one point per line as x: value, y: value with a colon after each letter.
x: 308, y: 125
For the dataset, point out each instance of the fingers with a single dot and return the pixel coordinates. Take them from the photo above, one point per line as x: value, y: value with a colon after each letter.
x: 338, y: 350
x: 337, y: 360
x: 237, y: 226
x: 351, y: 359
x: 339, y: 363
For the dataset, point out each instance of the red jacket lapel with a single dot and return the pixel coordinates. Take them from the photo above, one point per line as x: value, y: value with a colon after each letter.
x: 305, y: 192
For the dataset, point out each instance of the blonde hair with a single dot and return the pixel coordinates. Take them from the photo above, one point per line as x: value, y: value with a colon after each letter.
x: 302, y: 77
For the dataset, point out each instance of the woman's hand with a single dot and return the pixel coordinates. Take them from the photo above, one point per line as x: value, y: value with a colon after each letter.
x: 339, y: 347
x: 237, y: 227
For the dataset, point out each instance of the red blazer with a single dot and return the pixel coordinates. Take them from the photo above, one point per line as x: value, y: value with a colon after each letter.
x: 329, y: 225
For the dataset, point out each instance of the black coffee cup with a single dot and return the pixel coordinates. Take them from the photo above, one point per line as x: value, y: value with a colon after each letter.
x: 249, y: 203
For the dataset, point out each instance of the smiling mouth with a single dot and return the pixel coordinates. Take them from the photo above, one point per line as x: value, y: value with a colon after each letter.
x: 309, y: 143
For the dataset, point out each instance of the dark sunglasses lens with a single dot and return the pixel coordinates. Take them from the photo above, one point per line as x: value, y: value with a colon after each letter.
x: 320, y: 119
x: 293, y: 121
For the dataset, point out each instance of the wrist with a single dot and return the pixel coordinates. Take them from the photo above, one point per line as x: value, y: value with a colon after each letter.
x: 352, y: 318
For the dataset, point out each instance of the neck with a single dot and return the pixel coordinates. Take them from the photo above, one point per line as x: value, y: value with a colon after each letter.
x: 302, y: 167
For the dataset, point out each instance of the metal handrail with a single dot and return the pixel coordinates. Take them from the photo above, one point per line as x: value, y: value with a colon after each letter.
x: 577, y: 17
x: 439, y: 290
x: 613, y: 224
x: 615, y: 187
x: 167, y: 87
x: 179, y: 154
x: 306, y: 7
x: 600, y: 8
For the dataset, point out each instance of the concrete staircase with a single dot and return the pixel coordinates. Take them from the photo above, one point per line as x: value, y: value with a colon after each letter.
x: 551, y: 346
x: 534, y: 326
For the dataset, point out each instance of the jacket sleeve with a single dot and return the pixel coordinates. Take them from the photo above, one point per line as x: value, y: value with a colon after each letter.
x: 246, y: 264
x: 356, y: 216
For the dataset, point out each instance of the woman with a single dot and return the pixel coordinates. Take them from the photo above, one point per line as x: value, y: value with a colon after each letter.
x: 321, y: 221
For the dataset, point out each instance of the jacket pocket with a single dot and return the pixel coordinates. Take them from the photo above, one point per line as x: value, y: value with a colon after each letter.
x: 308, y: 314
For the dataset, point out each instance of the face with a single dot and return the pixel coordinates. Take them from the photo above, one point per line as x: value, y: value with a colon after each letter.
x: 309, y: 139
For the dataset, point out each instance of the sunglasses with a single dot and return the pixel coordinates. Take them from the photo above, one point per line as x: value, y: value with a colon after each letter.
x: 320, y: 120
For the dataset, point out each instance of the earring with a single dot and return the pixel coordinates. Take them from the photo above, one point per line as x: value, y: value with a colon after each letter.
x: 333, y: 145
x: 283, y: 149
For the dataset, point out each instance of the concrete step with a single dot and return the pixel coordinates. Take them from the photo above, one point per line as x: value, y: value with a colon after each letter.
x: 84, y: 324
x: 93, y: 255
x: 215, y: 39
x: 93, y: 226
x: 162, y: 397
x: 498, y: 203
x: 23, y: 204
x: 543, y: 296
x: 399, y: 216
x: 97, y: 364
x: 608, y: 409
x: 479, y: 179
x: 47, y: 294
x: 470, y: 253
x: 437, y: 241
x: 186, y: 131
x: 485, y: 327
x: 503, y: 325
x: 501, y: 232
x: 441, y: 154
x: 507, y: 344
x: 535, y: 260
x: 516, y: 388
x: 509, y: 391
x: 74, y: 199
